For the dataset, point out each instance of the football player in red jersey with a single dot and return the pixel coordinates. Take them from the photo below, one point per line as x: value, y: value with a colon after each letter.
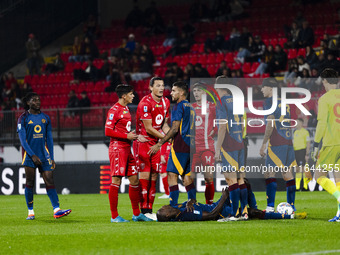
x: 152, y: 118
x: 118, y: 128
x: 205, y: 151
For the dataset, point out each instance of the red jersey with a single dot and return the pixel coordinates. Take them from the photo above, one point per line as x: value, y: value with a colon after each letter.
x: 204, y: 126
x: 149, y: 109
x: 119, y: 120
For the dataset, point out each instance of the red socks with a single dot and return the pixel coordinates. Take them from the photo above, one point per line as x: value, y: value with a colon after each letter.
x: 144, y: 184
x: 113, y: 198
x: 209, y: 192
x: 166, y: 185
x: 135, y: 199
x: 152, y: 194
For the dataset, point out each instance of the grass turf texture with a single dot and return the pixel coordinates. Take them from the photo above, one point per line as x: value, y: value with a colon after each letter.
x: 87, y: 230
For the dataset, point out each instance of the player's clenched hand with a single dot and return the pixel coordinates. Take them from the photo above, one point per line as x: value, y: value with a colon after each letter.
x: 315, y: 153
x: 263, y: 150
x: 154, y: 149
x: 53, y: 164
x: 132, y: 136
x: 190, y: 205
x: 142, y: 139
x: 36, y: 160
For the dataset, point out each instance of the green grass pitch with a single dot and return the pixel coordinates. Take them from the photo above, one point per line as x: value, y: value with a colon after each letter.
x: 87, y: 230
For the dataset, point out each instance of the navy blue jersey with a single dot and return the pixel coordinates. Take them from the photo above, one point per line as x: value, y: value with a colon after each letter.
x: 281, y: 135
x: 233, y: 139
x: 35, y: 134
x: 185, y: 138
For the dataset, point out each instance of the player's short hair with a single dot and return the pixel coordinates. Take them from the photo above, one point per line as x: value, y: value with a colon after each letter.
x: 153, y: 79
x: 123, y: 89
x: 330, y: 75
x: 270, y: 82
x: 182, y: 85
x: 166, y: 213
x: 27, y: 98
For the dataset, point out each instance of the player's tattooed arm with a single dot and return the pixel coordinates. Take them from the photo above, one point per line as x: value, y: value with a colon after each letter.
x: 267, y: 134
x: 172, y: 132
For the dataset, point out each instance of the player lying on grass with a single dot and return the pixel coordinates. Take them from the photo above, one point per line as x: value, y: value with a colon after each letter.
x: 193, y: 211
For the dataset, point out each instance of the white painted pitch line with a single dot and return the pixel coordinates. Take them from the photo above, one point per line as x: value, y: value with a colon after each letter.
x: 317, y: 252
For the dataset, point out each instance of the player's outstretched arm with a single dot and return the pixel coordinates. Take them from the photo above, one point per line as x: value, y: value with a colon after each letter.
x: 213, y: 215
x: 267, y: 134
x: 172, y: 132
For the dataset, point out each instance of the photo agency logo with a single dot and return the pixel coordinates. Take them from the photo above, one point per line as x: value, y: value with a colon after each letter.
x: 280, y: 98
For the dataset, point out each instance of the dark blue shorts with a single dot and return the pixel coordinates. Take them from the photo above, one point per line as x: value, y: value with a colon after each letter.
x: 46, y: 163
x: 179, y: 163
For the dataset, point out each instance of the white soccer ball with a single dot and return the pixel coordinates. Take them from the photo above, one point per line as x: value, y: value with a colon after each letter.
x: 65, y: 191
x: 285, y: 208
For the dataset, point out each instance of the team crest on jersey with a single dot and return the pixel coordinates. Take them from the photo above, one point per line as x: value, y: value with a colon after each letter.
x: 125, y: 112
x: 43, y: 120
x: 159, y: 119
x: 111, y: 116
x: 37, y: 129
x: 30, y: 122
x: 145, y: 108
x: 198, y: 121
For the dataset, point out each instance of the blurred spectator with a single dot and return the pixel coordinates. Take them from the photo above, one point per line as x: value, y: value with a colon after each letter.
x: 305, y: 37
x: 239, y: 73
x: 311, y: 57
x: 243, y: 39
x: 199, y: 11
x: 171, y: 32
x: 14, y: 95
x: 84, y: 101
x: 76, y: 47
x: 278, y: 62
x: 236, y: 10
x: 200, y: 72
x: 91, y: 27
x: 188, y: 72
x: 10, y: 79
x: 58, y: 65
x: 135, y: 18
x: 266, y: 58
x: 302, y: 64
x: 331, y: 62
x: 143, y: 71
x: 173, y: 74
x: 216, y: 44
x: 88, y: 49
x: 303, y: 80
x: 130, y: 44
x: 292, y: 72
x: 89, y: 74
x: 145, y: 50
x: 188, y: 29
x: 26, y: 88
x: 233, y: 43
x: 105, y: 70
x: 223, y: 65
x: 182, y: 45
x: 292, y: 36
x: 324, y: 47
x: 34, y: 60
x: 153, y: 20
x: 253, y: 52
x: 73, y: 102
x: 313, y: 119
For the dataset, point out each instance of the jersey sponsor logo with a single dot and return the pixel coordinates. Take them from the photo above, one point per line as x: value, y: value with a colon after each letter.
x: 158, y: 105
x: 145, y: 108
x: 37, y: 129
x: 159, y: 119
x: 19, y: 126
x: 128, y: 126
x: 146, y: 115
x: 43, y: 120
x: 30, y: 122
x: 198, y: 121
x: 111, y: 116
x: 108, y: 123
x: 125, y: 112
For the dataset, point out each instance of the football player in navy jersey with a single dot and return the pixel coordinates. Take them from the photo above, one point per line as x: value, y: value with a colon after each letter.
x: 35, y: 134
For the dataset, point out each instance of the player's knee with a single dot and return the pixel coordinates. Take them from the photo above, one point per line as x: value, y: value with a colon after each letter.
x: 134, y: 180
x: 30, y: 182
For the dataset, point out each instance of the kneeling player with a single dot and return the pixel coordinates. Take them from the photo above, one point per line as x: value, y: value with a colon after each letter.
x: 118, y: 127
